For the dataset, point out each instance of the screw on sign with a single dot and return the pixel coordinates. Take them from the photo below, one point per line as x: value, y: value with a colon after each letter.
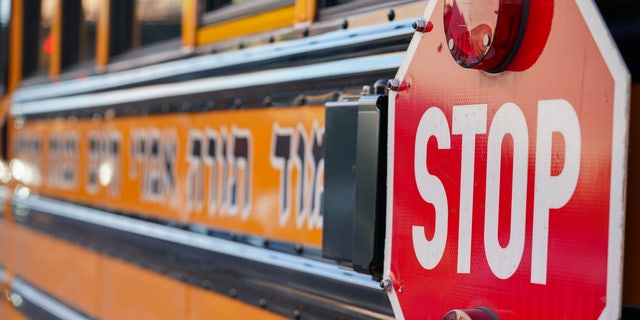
x: 507, y: 164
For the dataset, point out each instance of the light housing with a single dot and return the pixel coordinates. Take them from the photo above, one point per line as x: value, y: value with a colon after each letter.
x: 485, y: 34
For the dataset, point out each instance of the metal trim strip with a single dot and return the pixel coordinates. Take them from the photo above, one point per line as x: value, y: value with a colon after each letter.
x: 42, y: 301
x: 191, y: 239
x: 331, y: 40
x: 301, y: 73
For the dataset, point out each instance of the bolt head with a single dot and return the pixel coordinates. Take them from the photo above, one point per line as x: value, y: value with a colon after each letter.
x: 393, y: 84
x: 419, y: 25
x: 386, y: 285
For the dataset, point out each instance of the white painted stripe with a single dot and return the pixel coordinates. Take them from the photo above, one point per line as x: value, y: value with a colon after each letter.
x: 44, y: 302
x: 413, y: 47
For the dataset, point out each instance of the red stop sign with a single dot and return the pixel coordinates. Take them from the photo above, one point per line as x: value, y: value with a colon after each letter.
x: 507, y: 189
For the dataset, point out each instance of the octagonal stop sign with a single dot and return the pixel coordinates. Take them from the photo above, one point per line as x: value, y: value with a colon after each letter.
x: 507, y: 186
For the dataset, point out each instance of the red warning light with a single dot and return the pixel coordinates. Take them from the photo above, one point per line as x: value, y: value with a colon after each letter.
x: 48, y: 45
x: 484, y: 34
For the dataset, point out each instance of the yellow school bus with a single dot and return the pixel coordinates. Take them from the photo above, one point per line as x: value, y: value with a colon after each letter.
x: 196, y: 159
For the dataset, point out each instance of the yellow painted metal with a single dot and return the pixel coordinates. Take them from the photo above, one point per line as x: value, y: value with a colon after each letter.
x: 131, y: 292
x: 55, y: 62
x: 305, y: 11
x: 261, y: 22
x: 189, y: 22
x: 208, y: 305
x: 108, y: 288
x: 15, y: 43
x: 13, y: 314
x: 102, y: 35
x: 59, y: 268
x: 196, y: 190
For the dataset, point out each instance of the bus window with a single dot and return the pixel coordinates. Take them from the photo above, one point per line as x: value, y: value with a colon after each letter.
x: 210, y: 5
x: 330, y: 9
x: 5, y: 16
x: 217, y: 11
x: 45, y: 38
x: 88, y: 29
x: 135, y: 24
x: 37, y: 43
x: 78, y: 31
x: 331, y: 3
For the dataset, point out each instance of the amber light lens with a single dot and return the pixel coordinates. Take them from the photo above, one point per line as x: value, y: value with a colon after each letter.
x: 484, y: 34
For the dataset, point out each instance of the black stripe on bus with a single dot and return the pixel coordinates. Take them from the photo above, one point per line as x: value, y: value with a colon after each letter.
x: 282, y: 290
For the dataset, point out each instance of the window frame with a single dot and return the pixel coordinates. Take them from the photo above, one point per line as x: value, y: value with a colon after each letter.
x: 5, y: 26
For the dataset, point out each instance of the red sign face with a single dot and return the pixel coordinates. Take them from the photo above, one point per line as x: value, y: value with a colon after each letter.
x: 508, y: 189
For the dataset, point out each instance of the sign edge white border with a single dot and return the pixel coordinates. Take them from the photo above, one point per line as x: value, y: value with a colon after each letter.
x: 619, y: 148
x: 413, y: 46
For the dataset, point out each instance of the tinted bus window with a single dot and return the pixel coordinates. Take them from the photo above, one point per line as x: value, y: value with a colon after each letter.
x: 37, y: 44
x: 45, y: 40
x: 210, y: 5
x: 217, y: 11
x: 78, y: 31
x: 88, y: 29
x: 331, y: 3
x: 135, y: 24
x: 158, y: 20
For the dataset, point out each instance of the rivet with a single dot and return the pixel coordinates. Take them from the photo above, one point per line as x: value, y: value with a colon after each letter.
x: 451, y: 43
x: 391, y: 15
x: 486, y: 39
x: 393, y: 84
x: 18, y: 123
x: 419, y: 25
x: 386, y: 285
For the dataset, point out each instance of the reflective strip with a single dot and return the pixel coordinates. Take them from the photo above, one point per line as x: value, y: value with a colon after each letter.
x: 186, y: 238
x: 217, y: 61
x: 44, y: 302
x: 321, y: 70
